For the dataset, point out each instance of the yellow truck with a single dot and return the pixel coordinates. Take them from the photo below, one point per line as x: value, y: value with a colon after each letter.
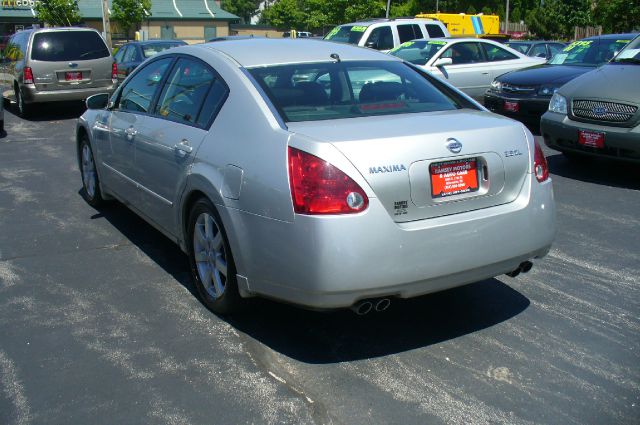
x: 463, y: 25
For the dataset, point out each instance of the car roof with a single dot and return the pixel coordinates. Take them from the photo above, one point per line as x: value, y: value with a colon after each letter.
x: 386, y: 20
x: 629, y: 35
x: 272, y: 51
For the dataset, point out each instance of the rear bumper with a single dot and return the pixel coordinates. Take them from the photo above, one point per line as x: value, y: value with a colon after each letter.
x: 32, y: 95
x: 531, y: 109
x: 561, y: 133
x: 331, y: 262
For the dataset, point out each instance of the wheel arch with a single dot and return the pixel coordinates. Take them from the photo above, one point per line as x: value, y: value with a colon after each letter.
x: 197, y: 187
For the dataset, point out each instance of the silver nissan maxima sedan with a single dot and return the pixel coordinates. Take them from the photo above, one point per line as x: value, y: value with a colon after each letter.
x: 319, y: 174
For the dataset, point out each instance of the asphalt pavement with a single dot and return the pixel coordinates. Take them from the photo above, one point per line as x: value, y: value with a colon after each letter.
x: 99, y: 322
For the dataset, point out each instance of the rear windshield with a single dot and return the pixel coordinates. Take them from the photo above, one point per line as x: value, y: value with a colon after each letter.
x: 589, y: 52
x: 67, y: 46
x: 326, y: 91
x: 155, y: 48
x: 418, y: 52
x: 347, y: 34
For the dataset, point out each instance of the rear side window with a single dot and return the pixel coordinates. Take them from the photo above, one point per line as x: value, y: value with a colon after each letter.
x: 185, y: 91
x: 68, y: 46
x: 139, y: 91
x: 409, y: 32
x: 435, y: 31
x: 495, y: 53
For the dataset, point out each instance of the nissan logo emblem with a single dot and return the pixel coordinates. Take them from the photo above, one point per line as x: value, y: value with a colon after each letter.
x: 453, y: 145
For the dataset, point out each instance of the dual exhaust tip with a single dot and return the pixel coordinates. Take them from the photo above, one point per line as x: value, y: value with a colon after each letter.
x: 522, y: 268
x: 367, y: 306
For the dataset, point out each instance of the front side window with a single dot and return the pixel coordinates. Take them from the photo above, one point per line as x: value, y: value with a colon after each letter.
x: 418, y: 52
x: 138, y: 93
x: 381, y: 38
x: 120, y: 54
x: 464, y: 53
x: 539, y: 51
x: 184, y: 93
x: 496, y: 53
x: 325, y: 91
x: 520, y: 47
x: 58, y: 46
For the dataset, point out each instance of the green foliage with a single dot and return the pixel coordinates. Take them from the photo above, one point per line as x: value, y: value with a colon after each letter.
x: 318, y: 14
x: 618, y: 16
x: 557, y: 18
x: 58, y: 12
x: 471, y: 10
x: 245, y: 9
x: 130, y: 13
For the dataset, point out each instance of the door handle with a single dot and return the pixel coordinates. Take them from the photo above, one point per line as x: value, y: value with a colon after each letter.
x: 130, y: 133
x: 183, y: 148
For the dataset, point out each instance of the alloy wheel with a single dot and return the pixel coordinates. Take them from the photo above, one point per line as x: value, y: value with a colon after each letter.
x: 88, y: 171
x: 210, y: 255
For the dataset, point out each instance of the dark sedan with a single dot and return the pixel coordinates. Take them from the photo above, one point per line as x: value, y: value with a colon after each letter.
x: 130, y: 55
x: 537, y: 48
x: 525, y: 94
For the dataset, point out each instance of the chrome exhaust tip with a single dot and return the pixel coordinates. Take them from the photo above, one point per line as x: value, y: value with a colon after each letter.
x: 362, y: 307
x: 382, y: 304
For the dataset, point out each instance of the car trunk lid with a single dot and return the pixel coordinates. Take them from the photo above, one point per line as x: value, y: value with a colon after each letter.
x: 431, y: 164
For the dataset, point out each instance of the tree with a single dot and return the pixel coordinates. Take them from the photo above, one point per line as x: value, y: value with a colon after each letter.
x: 245, y: 9
x: 58, y: 12
x: 130, y: 13
x: 618, y: 16
x: 557, y: 18
x: 284, y: 14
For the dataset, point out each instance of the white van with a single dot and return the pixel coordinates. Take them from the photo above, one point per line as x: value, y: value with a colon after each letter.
x: 385, y: 34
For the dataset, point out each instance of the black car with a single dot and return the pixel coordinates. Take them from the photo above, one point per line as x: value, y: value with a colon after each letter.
x: 525, y: 94
x: 132, y: 54
x: 537, y: 48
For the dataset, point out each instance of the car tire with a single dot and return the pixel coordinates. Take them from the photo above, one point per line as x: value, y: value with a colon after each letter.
x: 212, y: 267
x: 24, y: 109
x: 90, y: 182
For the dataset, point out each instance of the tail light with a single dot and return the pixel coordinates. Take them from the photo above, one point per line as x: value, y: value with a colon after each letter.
x: 114, y: 72
x: 318, y: 187
x: 27, y: 75
x: 540, y: 166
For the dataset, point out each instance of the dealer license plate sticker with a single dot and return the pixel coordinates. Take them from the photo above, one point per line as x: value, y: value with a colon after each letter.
x: 453, y: 177
x: 73, y: 76
x: 591, y: 139
x: 511, y: 106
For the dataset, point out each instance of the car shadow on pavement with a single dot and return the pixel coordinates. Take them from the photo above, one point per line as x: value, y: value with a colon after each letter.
x: 601, y: 171
x: 51, y: 111
x: 342, y: 336
x: 319, y: 337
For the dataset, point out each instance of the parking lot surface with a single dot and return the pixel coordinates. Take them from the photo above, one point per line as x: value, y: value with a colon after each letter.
x: 99, y: 322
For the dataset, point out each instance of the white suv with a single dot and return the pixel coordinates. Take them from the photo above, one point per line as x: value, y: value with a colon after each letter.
x: 386, y: 34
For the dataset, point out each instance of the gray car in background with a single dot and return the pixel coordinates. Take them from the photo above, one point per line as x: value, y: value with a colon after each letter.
x: 317, y: 173
x: 56, y: 64
x: 598, y: 113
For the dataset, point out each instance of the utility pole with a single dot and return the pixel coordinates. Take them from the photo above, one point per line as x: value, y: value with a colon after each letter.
x: 388, y: 5
x: 506, y: 24
x: 106, y: 25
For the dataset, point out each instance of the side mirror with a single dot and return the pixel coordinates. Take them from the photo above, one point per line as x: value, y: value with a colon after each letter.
x: 443, y: 62
x: 372, y: 45
x: 97, y: 101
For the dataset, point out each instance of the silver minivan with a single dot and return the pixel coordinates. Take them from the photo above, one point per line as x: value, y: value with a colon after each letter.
x: 56, y: 64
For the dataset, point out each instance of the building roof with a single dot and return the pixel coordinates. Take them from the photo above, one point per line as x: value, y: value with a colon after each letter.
x: 160, y: 9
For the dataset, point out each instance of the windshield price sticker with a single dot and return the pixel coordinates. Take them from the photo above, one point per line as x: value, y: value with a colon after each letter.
x: 358, y: 28
x: 579, y: 45
x: 453, y: 178
x: 333, y: 32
